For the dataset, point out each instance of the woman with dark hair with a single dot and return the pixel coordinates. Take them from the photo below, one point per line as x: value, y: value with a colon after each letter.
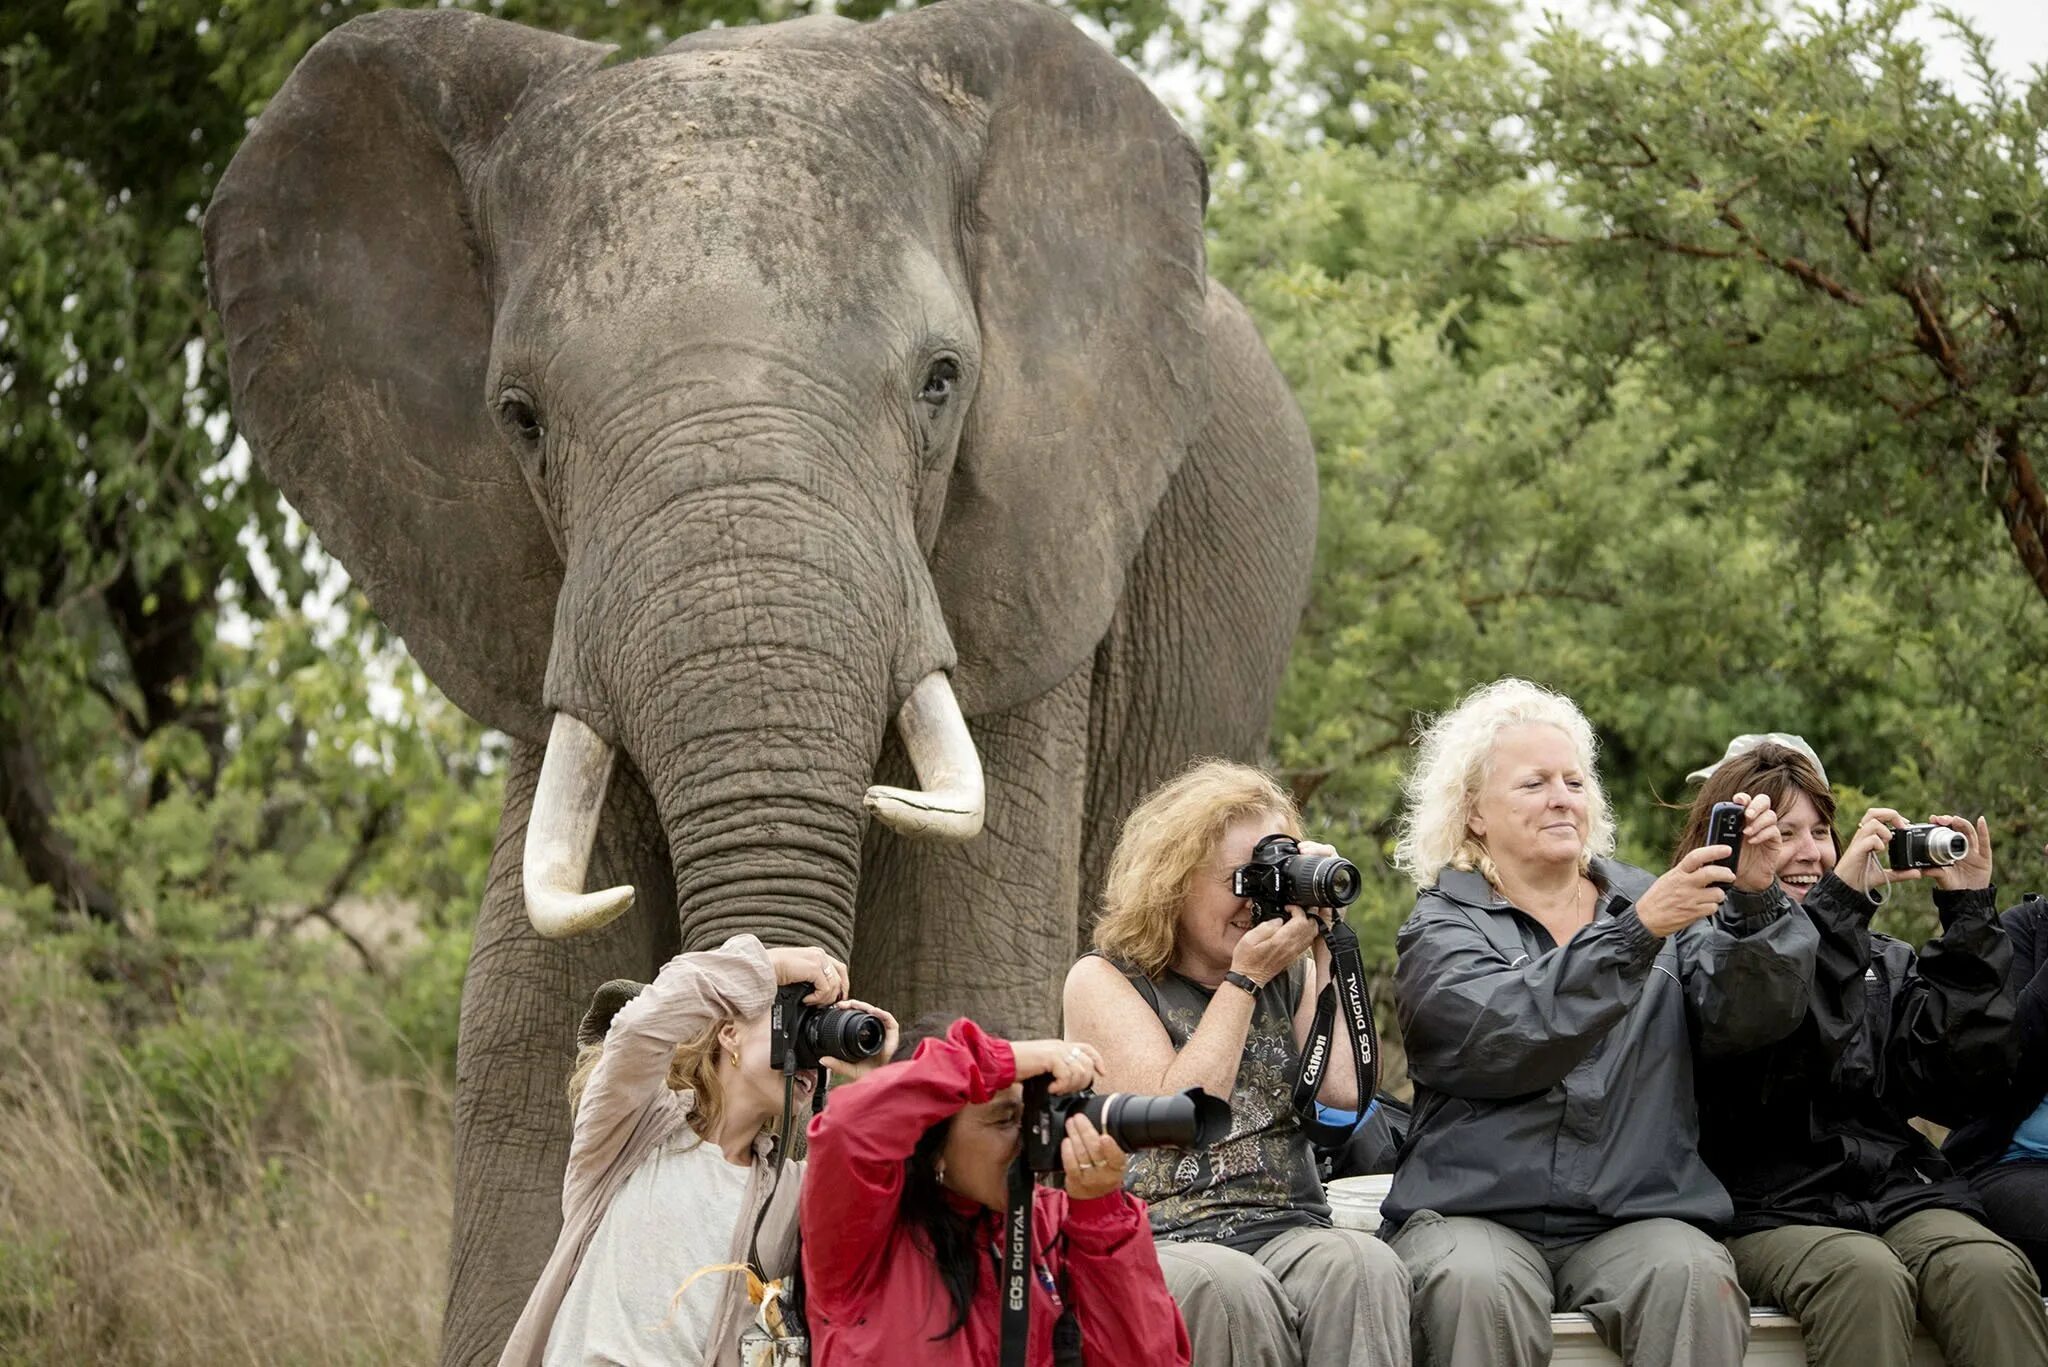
x: 902, y: 1215
x: 1846, y: 1215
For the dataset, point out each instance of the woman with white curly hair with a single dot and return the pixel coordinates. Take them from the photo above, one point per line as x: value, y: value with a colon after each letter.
x: 1551, y: 999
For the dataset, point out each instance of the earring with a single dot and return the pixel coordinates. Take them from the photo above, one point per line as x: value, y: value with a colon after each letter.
x: 735, y: 1057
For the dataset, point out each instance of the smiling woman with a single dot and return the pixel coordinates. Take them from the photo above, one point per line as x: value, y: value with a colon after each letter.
x: 1552, y: 1000
x: 1843, y: 1212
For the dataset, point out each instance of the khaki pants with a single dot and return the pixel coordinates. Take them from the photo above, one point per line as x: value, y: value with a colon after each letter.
x: 1856, y: 1295
x: 1659, y: 1292
x: 1308, y: 1298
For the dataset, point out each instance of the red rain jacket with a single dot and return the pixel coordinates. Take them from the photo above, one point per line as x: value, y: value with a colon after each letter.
x: 873, y: 1294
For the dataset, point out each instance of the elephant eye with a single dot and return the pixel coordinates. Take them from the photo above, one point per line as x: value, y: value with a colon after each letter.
x: 516, y: 412
x: 939, y: 381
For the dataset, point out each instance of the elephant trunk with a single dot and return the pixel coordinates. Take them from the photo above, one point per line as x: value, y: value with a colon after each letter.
x: 750, y: 684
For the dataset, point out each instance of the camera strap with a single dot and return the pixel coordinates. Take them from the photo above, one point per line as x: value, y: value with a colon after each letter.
x: 1346, y: 990
x: 1016, y: 1269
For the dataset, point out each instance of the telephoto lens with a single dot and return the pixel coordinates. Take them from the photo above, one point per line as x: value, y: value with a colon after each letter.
x: 1927, y: 846
x: 1186, y: 1120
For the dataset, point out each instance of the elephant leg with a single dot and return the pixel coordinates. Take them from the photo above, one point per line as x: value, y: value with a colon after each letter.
x: 1193, y: 659
x: 521, y: 1000
x: 984, y: 928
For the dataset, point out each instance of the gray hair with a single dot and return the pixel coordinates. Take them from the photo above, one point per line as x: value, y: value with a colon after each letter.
x: 1450, y: 764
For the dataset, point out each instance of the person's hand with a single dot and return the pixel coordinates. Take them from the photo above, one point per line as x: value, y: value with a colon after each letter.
x: 809, y: 964
x: 1094, y: 1163
x: 1762, y: 843
x: 1972, y: 870
x: 1862, y: 863
x: 1072, y: 1065
x: 854, y: 1072
x: 1323, y: 915
x: 1269, y: 948
x: 1690, y: 891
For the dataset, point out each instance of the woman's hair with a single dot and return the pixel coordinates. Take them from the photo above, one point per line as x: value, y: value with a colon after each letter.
x: 693, y: 1068
x: 1167, y: 840
x: 948, y: 1234
x: 1451, y: 761
x: 1776, y: 771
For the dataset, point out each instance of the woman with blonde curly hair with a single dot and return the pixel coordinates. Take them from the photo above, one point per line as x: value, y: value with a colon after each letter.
x: 1183, y: 990
x: 672, y: 1170
x: 1551, y: 1000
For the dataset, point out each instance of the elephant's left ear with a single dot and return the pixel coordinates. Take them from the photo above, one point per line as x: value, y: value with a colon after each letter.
x: 1084, y: 244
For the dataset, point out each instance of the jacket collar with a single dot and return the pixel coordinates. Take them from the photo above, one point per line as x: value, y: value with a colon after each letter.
x: 1469, y: 888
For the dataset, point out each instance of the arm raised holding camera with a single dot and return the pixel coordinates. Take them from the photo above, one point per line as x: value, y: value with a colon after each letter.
x: 1104, y: 1010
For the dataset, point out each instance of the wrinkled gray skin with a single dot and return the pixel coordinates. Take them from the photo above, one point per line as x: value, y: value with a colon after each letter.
x: 613, y: 386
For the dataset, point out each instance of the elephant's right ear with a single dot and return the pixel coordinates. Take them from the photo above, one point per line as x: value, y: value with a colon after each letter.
x: 344, y: 259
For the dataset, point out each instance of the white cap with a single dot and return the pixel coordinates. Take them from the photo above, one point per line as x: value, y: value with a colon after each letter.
x: 1742, y: 745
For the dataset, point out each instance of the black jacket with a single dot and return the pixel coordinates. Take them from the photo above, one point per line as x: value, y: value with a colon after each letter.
x: 1813, y: 1129
x: 1985, y: 1139
x: 1554, y: 1084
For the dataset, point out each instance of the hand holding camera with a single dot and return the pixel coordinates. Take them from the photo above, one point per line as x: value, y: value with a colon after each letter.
x: 1070, y: 1066
x: 1861, y: 866
x: 806, y: 1030
x: 1691, y: 890
x: 1969, y: 849
x: 807, y: 964
x: 1093, y: 1162
x: 1756, y: 839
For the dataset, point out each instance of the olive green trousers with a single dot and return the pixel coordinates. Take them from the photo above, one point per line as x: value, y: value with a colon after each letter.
x: 1856, y: 1296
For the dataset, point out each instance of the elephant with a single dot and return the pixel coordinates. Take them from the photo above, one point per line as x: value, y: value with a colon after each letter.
x: 819, y: 449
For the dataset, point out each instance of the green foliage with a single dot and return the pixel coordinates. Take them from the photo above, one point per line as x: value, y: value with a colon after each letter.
x: 1680, y: 487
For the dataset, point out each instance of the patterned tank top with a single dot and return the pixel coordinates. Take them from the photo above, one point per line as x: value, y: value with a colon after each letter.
x: 1261, y: 1179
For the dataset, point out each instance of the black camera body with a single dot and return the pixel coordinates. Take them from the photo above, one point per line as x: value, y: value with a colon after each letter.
x: 800, y: 1035
x: 1191, y: 1119
x: 1279, y: 876
x: 1927, y: 846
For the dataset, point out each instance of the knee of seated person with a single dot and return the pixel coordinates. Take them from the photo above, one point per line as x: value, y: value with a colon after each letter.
x: 1215, y: 1273
x: 1692, y: 1260
x: 1987, y: 1264
x: 1346, y: 1255
x: 1862, y: 1266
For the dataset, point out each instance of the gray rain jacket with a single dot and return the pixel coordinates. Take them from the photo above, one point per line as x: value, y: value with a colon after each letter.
x: 1554, y: 1083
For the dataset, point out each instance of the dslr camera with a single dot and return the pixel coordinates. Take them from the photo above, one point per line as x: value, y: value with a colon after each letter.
x: 1927, y: 846
x: 799, y: 1034
x: 1279, y: 876
x: 1188, y: 1120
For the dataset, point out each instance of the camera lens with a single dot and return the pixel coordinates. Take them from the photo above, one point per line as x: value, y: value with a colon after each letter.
x: 1945, y: 846
x: 1321, y: 880
x: 1185, y: 1120
x: 846, y: 1034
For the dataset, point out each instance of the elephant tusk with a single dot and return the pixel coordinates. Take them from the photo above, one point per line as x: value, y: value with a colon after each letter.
x: 950, y: 805
x: 567, y: 803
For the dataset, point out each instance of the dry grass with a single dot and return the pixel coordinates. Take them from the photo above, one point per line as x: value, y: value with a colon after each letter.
x: 302, y: 1223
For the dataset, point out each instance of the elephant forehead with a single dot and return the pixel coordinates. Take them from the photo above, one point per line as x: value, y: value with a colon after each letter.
x: 783, y: 170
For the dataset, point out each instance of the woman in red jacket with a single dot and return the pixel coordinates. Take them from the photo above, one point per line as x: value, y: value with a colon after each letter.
x: 902, y: 1216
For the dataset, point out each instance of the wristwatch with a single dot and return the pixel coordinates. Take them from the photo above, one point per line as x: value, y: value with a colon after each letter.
x: 1243, y: 980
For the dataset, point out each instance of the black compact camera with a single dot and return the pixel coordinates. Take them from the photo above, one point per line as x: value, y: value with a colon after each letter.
x: 799, y: 1034
x: 1927, y: 846
x: 1187, y: 1120
x: 1280, y: 876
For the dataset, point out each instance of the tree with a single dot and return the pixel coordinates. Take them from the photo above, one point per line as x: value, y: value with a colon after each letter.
x: 1532, y: 465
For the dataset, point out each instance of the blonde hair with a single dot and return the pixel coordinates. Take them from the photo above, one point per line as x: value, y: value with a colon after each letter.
x: 1450, y: 765
x: 1168, y: 839
x: 692, y: 1068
